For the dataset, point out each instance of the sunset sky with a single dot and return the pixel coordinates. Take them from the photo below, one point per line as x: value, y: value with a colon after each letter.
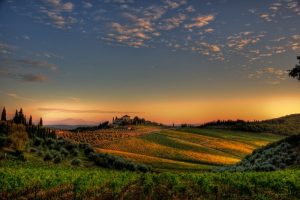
x: 171, y: 61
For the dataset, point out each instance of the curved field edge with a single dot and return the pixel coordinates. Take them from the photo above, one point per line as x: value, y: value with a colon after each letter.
x: 189, y: 146
x: 21, y: 181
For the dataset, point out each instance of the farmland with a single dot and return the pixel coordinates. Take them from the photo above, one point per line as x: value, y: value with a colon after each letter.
x: 104, y: 136
x: 187, y: 148
x: 53, y: 182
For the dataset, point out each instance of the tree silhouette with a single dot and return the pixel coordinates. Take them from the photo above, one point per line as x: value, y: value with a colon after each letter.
x: 30, y: 121
x: 21, y: 117
x: 3, y: 115
x: 295, y: 72
x: 41, y: 122
x: 16, y: 117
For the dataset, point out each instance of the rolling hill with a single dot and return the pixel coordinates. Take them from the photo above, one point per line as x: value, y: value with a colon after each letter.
x: 287, y: 125
x: 282, y: 154
x: 188, y: 148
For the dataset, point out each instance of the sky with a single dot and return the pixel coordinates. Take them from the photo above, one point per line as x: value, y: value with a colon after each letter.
x: 170, y: 61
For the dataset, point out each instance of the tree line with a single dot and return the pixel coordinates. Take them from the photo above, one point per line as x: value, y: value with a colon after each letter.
x: 20, y: 118
x: 7, y: 126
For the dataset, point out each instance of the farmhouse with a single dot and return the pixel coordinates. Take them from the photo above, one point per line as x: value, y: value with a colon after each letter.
x: 122, y: 121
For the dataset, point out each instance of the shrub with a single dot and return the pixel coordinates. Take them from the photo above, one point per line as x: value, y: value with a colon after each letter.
x: 3, y: 141
x: 75, y: 162
x: 18, y: 137
x: 40, y: 153
x: 22, y: 157
x: 37, y: 141
x: 75, y: 152
x: 64, y: 152
x: 48, y: 157
x: 57, y: 159
x: 50, y: 141
x: 32, y: 150
x: 88, y: 150
x: 70, y: 147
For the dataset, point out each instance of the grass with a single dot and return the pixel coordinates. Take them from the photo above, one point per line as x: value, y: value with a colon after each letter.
x: 186, y: 148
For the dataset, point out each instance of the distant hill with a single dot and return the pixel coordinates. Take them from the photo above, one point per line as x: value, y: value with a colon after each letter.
x: 278, y: 155
x: 287, y: 125
x: 65, y: 127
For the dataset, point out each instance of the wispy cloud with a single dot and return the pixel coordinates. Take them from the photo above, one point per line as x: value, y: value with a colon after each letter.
x: 17, y: 96
x: 74, y: 99
x: 37, y: 63
x: 44, y: 109
x: 28, y: 77
x: 272, y: 75
x: 200, y: 21
x: 33, y: 77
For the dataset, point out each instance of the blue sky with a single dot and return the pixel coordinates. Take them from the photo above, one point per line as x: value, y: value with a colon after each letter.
x: 118, y: 56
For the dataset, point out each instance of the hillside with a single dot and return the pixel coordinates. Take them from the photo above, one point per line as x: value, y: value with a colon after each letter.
x: 278, y: 155
x: 287, y: 125
x: 187, y: 148
x: 36, y: 163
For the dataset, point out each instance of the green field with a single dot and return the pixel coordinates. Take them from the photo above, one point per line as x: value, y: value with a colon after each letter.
x: 188, y: 148
x: 61, y: 182
x: 182, y: 163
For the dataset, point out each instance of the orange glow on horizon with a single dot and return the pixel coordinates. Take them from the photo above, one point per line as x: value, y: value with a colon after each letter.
x: 163, y: 111
x: 168, y: 112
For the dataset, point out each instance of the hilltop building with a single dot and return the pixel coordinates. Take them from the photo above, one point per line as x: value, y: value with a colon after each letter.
x: 122, y: 121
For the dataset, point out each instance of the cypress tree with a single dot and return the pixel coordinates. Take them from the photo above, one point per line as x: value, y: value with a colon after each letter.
x: 3, y: 115
x: 16, y: 117
x: 41, y: 122
x: 21, y: 117
x: 30, y: 121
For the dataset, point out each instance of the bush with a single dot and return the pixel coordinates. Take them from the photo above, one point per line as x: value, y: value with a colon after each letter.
x: 64, y: 152
x: 22, y: 157
x: 88, y: 150
x: 18, y: 137
x: 32, y: 150
x: 48, y: 157
x: 115, y: 162
x: 57, y: 159
x: 3, y: 141
x: 50, y: 141
x: 75, y: 152
x: 37, y: 141
x: 75, y: 162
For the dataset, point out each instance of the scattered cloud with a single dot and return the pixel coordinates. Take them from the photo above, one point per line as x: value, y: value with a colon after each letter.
x: 59, y: 12
x: 175, y: 4
x: 173, y: 22
x: 272, y: 75
x: 243, y: 39
x: 37, y: 64
x: 60, y: 6
x: 200, y: 21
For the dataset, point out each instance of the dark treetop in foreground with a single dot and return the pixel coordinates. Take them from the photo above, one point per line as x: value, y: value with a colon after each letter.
x: 295, y: 72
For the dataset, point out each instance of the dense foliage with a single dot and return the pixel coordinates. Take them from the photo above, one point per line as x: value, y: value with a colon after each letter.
x: 288, y: 125
x: 295, y: 72
x: 67, y: 183
x: 277, y: 155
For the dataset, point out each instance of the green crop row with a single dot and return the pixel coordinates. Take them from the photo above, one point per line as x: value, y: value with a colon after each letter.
x: 83, y: 183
